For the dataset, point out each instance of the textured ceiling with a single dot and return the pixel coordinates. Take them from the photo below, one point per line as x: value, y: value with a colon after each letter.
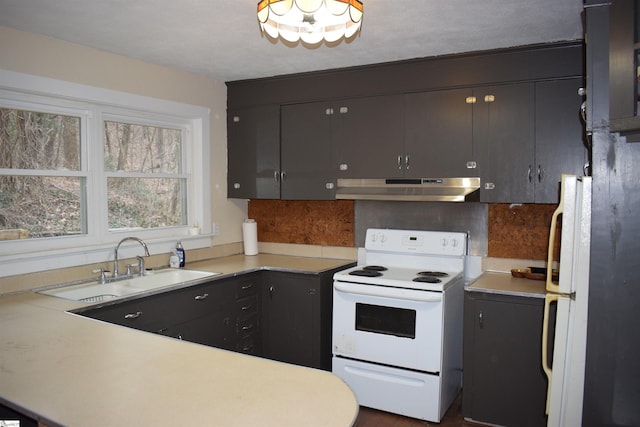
x: 222, y: 39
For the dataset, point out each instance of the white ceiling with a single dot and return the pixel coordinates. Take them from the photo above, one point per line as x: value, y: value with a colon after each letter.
x: 222, y: 39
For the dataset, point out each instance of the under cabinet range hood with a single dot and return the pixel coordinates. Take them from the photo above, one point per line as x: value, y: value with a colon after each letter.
x: 410, y: 189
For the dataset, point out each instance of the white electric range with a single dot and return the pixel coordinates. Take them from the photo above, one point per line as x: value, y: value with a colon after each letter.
x: 397, y: 321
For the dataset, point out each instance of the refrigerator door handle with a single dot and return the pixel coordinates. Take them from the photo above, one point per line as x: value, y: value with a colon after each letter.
x: 552, y: 287
x: 548, y: 299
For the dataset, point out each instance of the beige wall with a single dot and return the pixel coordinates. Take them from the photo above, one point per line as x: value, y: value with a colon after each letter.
x: 33, y: 54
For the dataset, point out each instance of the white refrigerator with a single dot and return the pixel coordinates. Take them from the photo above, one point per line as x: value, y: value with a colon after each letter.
x: 565, y: 372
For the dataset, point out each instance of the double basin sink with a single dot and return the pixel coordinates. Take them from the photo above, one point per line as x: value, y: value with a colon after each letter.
x: 97, y: 292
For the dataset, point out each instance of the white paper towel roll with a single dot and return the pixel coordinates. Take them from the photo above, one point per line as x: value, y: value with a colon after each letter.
x: 250, y: 237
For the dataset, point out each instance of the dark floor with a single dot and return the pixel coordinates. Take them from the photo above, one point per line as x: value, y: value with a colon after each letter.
x: 373, y: 418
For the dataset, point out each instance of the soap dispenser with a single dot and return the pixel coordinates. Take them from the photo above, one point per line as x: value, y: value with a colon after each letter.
x: 181, y: 255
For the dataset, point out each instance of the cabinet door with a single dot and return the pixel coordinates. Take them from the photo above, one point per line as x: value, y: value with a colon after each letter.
x: 290, y: 304
x: 439, y: 134
x: 305, y: 152
x: 504, y: 383
x: 368, y: 137
x: 503, y: 131
x: 560, y: 140
x: 253, y: 150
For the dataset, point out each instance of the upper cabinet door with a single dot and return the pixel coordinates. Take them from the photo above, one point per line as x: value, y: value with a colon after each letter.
x: 503, y: 126
x: 253, y: 150
x: 368, y: 137
x: 439, y: 134
x: 560, y: 139
x: 305, y: 152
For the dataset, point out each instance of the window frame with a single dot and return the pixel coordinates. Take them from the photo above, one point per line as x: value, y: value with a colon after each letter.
x: 94, y: 105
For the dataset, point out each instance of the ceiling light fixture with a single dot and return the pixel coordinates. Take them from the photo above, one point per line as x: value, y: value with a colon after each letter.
x: 310, y: 20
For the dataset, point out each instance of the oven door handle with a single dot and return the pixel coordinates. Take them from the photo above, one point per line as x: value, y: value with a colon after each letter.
x: 388, y: 292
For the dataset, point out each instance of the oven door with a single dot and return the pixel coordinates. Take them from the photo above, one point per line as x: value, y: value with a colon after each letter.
x: 391, y: 326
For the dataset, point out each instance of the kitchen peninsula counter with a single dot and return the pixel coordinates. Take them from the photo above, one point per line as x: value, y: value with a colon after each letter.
x: 65, y: 369
x: 506, y: 284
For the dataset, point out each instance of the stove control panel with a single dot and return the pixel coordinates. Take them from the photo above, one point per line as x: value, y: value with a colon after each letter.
x: 416, y: 241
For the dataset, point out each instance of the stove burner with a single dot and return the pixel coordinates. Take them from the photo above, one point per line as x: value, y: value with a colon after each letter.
x: 365, y: 273
x: 374, y: 268
x: 427, y: 279
x: 433, y: 274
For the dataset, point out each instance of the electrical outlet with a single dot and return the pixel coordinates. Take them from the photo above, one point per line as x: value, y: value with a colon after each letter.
x: 215, y: 228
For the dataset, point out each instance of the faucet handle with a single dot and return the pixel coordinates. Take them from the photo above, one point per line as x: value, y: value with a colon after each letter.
x: 102, y: 271
x: 129, y: 273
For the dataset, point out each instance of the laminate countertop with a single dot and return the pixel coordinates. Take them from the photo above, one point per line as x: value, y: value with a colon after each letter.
x: 506, y: 284
x: 65, y: 369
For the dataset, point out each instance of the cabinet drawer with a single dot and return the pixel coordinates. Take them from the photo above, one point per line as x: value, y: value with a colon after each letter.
x: 246, y: 287
x: 144, y: 314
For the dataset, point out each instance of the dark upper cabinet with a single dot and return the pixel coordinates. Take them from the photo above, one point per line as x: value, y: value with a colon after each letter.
x: 253, y: 152
x: 560, y: 139
x: 305, y: 152
x: 368, y: 137
x: 438, y: 135
x: 527, y: 135
x: 509, y: 117
x: 504, y: 137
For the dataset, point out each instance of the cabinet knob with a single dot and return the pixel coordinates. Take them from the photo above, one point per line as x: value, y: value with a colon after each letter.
x: 343, y: 167
x: 481, y: 320
x: 329, y: 185
x: 470, y: 100
x: 471, y: 165
x: 236, y: 185
x: 489, y: 98
x: 489, y: 186
x: 344, y: 110
x: 236, y: 119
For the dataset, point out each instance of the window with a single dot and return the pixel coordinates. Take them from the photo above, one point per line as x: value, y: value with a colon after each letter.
x: 146, y: 184
x: 83, y: 167
x: 42, y: 187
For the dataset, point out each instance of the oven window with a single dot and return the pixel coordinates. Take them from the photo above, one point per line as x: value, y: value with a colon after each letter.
x: 380, y: 319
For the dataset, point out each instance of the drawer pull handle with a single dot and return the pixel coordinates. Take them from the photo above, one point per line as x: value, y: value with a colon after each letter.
x: 246, y: 287
x: 246, y: 307
x: 247, y: 327
x: 201, y: 297
x: 133, y: 315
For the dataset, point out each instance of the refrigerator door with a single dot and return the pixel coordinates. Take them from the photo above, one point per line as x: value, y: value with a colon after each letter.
x: 566, y: 377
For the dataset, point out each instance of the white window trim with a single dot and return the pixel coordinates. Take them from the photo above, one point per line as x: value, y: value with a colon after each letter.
x: 20, y: 257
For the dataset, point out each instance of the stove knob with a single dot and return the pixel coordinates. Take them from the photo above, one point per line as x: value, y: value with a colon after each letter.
x: 454, y: 243
x: 444, y: 243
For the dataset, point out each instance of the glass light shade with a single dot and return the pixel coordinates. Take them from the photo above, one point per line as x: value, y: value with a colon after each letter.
x: 310, y: 20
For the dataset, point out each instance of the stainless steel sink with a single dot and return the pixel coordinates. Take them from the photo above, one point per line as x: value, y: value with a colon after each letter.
x: 96, y: 292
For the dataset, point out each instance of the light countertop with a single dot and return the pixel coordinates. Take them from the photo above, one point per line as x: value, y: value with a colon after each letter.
x: 75, y: 371
x: 506, y: 284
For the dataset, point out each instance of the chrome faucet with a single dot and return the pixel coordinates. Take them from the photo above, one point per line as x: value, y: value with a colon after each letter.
x: 140, y: 259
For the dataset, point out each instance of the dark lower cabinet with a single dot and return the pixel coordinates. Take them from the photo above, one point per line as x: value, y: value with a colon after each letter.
x: 504, y: 383
x: 297, y: 317
x: 8, y: 416
x: 283, y: 316
x: 292, y: 322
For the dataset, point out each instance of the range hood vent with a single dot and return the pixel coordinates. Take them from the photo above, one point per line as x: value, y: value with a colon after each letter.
x: 410, y: 189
